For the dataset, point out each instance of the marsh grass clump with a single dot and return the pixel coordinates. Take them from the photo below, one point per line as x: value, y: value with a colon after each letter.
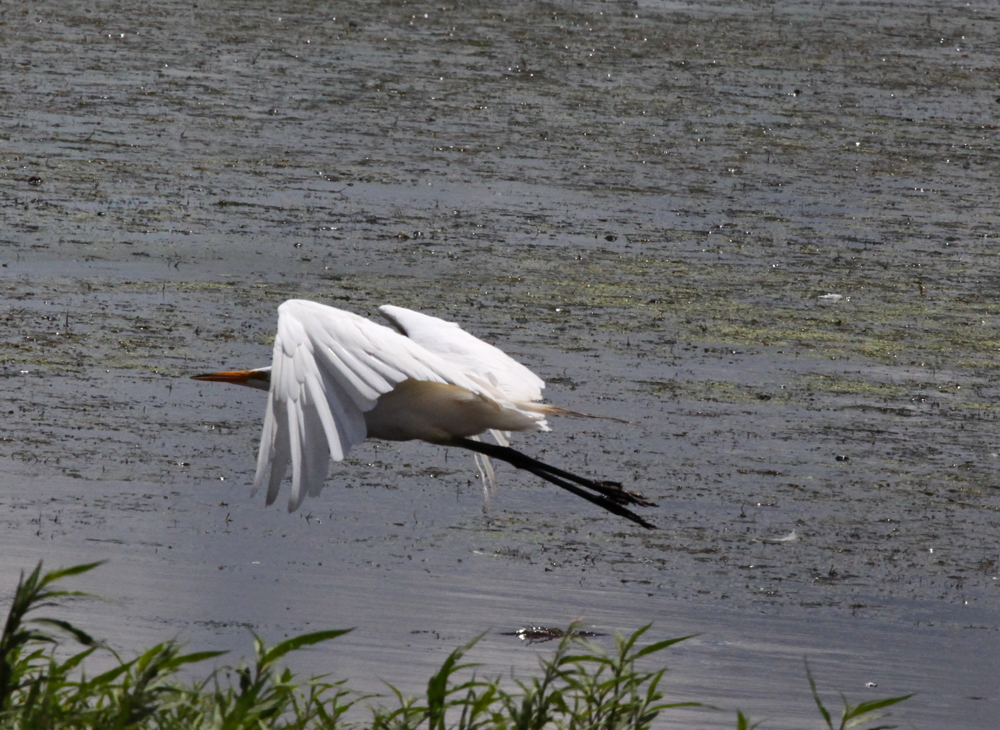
x: 581, y: 687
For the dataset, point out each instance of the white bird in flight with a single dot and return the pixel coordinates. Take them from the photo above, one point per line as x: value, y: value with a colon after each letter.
x: 337, y: 379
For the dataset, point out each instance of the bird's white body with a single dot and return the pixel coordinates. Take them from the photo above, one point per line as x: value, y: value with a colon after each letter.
x: 439, y: 413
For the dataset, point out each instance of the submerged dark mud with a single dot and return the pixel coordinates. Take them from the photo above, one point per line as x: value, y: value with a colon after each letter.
x: 764, y: 235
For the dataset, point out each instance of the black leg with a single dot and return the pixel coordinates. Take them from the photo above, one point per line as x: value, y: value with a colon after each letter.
x: 609, y: 495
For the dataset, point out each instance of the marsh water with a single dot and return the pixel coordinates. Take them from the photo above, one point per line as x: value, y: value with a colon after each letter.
x: 764, y: 234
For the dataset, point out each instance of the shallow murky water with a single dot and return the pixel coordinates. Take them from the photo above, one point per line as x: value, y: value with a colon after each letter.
x: 765, y: 235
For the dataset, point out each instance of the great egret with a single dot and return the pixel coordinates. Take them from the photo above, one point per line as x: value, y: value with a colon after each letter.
x: 337, y: 379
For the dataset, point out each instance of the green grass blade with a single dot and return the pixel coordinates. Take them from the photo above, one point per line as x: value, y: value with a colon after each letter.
x: 872, y: 705
x: 79, y: 634
x: 815, y: 693
x: 628, y: 643
x: 660, y: 646
x: 54, y: 575
x: 74, y: 661
x: 112, y: 674
x: 297, y: 642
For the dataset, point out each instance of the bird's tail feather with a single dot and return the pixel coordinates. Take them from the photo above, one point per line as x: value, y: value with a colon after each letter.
x: 551, y: 410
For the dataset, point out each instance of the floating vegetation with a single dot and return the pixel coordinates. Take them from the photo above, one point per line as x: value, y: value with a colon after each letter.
x: 581, y: 686
x: 541, y: 634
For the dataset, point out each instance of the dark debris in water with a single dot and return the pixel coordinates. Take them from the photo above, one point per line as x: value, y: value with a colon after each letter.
x: 541, y: 634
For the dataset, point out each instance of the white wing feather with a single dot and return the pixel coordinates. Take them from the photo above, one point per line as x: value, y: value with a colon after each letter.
x: 329, y: 368
x: 488, y: 365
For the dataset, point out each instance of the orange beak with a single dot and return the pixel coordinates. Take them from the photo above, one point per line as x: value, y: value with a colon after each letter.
x: 252, y: 378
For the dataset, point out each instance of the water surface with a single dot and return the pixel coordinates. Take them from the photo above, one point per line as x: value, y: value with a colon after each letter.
x: 650, y: 205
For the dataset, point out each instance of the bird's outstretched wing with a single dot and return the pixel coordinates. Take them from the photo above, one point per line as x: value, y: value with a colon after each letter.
x: 329, y: 368
x: 482, y: 362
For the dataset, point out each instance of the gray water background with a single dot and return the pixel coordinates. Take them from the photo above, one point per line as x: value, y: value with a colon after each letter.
x: 646, y: 203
